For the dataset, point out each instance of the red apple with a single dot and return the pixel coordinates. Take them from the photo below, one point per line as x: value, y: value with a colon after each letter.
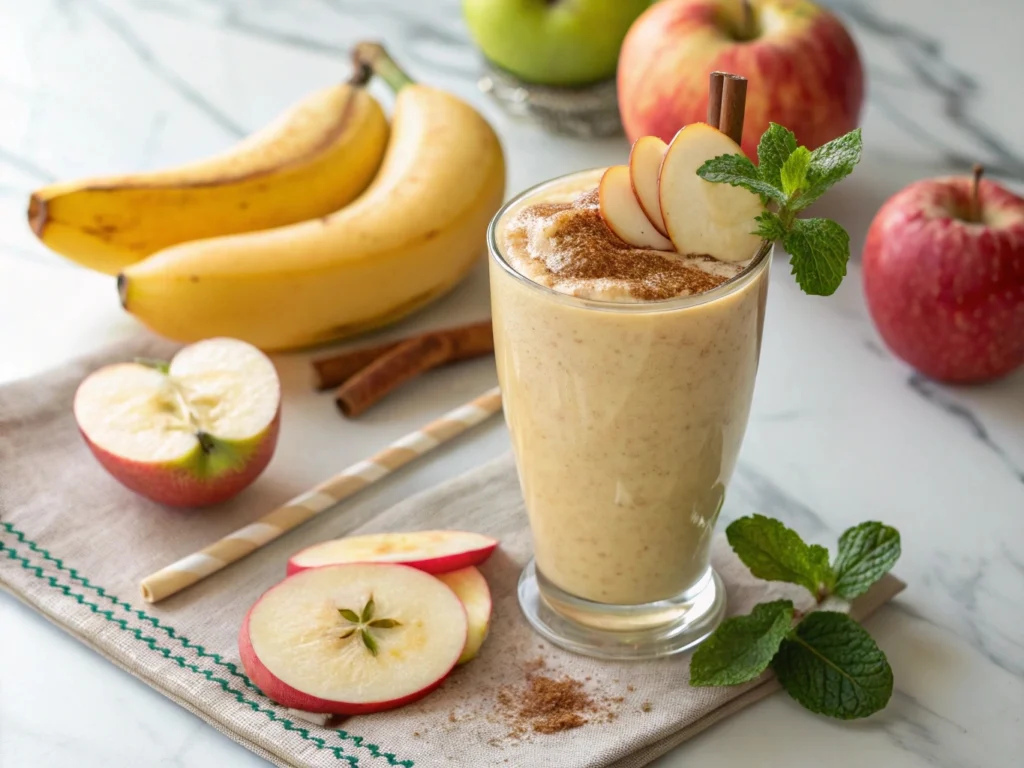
x: 944, y: 279
x: 621, y: 210
x: 430, y: 551
x: 471, y: 588
x: 353, y: 639
x: 803, y: 67
x: 190, y: 433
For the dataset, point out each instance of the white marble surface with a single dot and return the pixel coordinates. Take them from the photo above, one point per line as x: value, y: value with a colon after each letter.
x: 840, y: 431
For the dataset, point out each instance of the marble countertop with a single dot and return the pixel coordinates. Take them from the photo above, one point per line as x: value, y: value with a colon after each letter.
x: 840, y: 431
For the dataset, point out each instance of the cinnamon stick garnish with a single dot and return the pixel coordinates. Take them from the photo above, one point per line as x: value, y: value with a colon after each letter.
x: 392, y: 369
x: 734, y: 101
x: 467, y: 341
x: 715, y: 84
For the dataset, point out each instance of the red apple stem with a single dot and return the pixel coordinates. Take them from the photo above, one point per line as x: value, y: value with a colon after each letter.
x: 747, y: 31
x: 975, y: 211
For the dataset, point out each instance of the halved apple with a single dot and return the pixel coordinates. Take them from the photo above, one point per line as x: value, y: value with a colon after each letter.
x: 353, y: 639
x: 621, y: 211
x: 471, y: 587
x: 644, y: 166
x: 704, y: 218
x: 430, y: 551
x: 188, y: 434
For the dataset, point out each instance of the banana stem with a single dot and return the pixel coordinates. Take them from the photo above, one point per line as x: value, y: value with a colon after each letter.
x: 373, y: 56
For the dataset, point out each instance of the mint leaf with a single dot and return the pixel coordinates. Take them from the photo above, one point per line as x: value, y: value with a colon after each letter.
x: 819, y: 250
x: 738, y: 171
x: 830, y: 163
x: 742, y: 647
x: 775, y: 553
x: 794, y: 171
x: 158, y: 365
x: 866, y: 553
x: 831, y: 666
x: 770, y: 226
x: 774, y: 148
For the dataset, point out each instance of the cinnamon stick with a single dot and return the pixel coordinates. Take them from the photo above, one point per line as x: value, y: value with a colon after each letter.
x: 331, y: 372
x: 467, y: 341
x: 734, y: 101
x: 715, y: 83
x: 392, y: 369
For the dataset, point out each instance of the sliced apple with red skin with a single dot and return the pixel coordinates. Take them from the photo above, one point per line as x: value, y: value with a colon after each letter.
x: 471, y: 587
x: 704, y: 218
x: 644, y: 168
x: 430, y: 551
x: 353, y: 639
x: 188, y: 434
x: 621, y: 211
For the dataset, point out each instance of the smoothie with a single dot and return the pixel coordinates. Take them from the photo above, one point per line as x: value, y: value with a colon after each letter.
x: 627, y: 376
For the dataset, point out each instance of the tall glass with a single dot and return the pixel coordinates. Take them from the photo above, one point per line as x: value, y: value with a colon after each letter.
x: 626, y: 420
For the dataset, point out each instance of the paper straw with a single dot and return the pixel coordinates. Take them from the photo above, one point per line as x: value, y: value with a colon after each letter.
x: 197, y: 566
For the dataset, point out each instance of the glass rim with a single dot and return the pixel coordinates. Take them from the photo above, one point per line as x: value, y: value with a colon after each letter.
x: 730, y: 286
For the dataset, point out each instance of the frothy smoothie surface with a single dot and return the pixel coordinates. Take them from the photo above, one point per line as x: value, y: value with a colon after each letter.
x: 563, y: 243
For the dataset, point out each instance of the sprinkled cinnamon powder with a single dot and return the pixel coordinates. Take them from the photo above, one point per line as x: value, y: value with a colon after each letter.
x: 549, y: 704
x: 580, y: 250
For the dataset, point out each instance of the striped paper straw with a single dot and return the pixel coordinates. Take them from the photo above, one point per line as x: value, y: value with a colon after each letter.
x: 197, y: 566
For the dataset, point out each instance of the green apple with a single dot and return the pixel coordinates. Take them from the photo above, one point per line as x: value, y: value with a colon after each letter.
x: 553, y: 42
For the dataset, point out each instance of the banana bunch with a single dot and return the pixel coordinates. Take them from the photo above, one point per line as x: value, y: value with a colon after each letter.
x: 320, y: 227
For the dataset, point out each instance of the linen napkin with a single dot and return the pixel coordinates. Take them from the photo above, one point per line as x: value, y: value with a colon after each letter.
x: 74, y: 545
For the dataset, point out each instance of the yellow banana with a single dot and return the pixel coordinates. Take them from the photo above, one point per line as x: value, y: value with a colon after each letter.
x: 408, y: 239
x: 315, y: 158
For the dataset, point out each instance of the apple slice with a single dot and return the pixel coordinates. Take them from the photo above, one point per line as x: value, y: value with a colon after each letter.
x: 353, y: 639
x: 471, y: 588
x: 622, y: 213
x: 644, y: 166
x: 430, y: 551
x: 704, y: 218
x: 188, y: 434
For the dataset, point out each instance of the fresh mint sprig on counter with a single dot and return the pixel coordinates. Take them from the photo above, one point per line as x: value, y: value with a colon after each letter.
x: 789, y: 178
x: 824, y: 659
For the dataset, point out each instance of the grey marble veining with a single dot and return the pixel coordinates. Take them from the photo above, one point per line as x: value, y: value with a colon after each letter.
x: 840, y: 432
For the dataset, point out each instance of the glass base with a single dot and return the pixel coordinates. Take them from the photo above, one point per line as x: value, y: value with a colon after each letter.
x: 622, y: 632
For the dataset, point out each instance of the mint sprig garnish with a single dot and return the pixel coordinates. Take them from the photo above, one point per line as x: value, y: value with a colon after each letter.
x: 789, y: 178
x: 824, y: 659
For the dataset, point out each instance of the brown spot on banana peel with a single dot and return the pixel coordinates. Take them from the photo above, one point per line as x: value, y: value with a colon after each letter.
x: 38, y: 214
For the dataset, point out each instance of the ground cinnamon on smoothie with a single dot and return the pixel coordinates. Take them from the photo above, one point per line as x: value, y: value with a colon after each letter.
x: 582, y: 255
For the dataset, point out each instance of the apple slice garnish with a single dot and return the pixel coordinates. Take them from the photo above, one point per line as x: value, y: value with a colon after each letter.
x: 430, y: 551
x: 704, y: 218
x: 471, y: 588
x: 187, y: 434
x: 644, y: 166
x: 353, y: 639
x: 621, y: 211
